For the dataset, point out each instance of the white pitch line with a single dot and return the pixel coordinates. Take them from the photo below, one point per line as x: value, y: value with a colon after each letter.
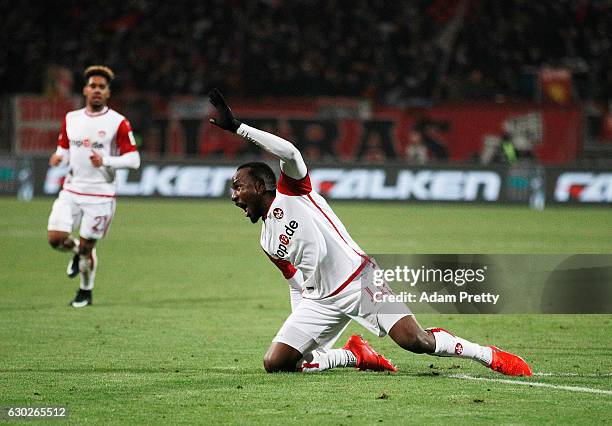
x: 541, y: 374
x: 535, y: 384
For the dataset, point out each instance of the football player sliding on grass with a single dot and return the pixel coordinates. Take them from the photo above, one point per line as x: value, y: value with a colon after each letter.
x: 330, y: 277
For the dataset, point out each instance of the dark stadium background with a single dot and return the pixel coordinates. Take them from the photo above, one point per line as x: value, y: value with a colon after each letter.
x: 518, y: 88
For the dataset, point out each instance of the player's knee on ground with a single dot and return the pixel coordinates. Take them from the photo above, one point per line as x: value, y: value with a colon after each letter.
x: 275, y: 364
x: 281, y: 357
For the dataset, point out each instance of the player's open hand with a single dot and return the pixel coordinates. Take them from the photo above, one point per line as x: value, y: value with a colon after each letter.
x: 226, y: 119
x: 96, y: 159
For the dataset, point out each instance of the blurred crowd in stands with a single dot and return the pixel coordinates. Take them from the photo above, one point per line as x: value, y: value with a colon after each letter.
x: 398, y: 53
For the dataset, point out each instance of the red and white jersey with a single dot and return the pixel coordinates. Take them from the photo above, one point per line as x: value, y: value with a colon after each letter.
x: 302, y: 236
x: 109, y: 133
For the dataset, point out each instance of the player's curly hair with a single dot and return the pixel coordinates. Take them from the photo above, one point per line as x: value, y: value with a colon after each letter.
x: 263, y: 172
x: 100, y: 70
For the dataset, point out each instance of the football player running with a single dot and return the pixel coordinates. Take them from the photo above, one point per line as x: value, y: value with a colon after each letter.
x: 89, y: 141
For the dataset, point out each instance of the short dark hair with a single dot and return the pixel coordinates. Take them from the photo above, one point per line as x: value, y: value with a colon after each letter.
x: 261, y: 171
x: 100, y: 70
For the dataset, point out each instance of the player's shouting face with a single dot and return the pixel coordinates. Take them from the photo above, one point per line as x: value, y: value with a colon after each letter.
x: 248, y: 194
x: 97, y: 92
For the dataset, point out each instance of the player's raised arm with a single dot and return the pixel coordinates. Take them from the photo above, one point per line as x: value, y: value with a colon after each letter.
x: 291, y: 161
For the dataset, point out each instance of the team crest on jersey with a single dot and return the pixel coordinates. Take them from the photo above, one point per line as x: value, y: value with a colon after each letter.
x: 101, y: 133
x: 284, y: 239
x: 278, y: 213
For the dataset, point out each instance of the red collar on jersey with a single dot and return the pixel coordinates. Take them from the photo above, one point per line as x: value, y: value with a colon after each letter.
x: 96, y: 114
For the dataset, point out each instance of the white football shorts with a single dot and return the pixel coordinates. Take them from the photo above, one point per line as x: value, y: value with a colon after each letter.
x: 318, y: 323
x: 71, y: 211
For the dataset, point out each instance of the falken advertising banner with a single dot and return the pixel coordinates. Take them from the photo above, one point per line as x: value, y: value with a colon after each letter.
x: 339, y: 183
x: 526, y: 184
x: 580, y: 186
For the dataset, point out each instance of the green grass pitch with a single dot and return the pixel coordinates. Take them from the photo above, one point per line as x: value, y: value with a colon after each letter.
x: 186, y: 304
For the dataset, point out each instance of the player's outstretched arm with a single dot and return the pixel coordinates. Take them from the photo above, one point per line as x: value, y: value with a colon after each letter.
x: 291, y: 161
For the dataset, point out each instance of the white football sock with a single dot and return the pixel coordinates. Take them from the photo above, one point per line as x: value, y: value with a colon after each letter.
x: 75, y: 248
x: 448, y: 344
x: 320, y: 360
x: 88, y: 267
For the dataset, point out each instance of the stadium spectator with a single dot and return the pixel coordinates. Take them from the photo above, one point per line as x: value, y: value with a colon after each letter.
x: 395, y: 52
x: 425, y: 144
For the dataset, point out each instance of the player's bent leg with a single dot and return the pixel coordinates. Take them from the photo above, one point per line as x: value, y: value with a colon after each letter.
x: 356, y: 353
x: 315, y: 356
x: 311, y: 330
x: 88, y: 263
x: 86, y: 249
x: 409, y: 335
x: 61, y: 240
x: 324, y: 357
x: 447, y: 344
x: 281, y: 357
x: 64, y: 214
x: 96, y: 220
x: 438, y: 342
x: 318, y: 355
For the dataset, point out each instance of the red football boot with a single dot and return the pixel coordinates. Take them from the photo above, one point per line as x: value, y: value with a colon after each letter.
x: 367, y: 357
x: 509, y: 364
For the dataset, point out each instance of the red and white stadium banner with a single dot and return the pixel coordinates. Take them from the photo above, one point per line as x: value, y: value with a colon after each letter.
x: 37, y: 121
x: 359, y: 134
x: 336, y: 130
x: 553, y: 132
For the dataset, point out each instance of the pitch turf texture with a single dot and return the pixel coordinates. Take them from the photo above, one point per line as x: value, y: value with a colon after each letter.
x: 186, y: 304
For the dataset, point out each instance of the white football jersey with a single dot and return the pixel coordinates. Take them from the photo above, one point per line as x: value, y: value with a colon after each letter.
x: 302, y: 236
x: 107, y: 132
